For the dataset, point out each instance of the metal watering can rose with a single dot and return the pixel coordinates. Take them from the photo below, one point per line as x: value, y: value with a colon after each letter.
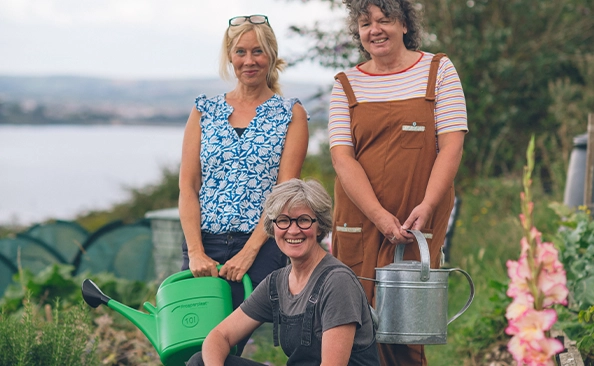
x: 188, y: 308
x: 412, y: 300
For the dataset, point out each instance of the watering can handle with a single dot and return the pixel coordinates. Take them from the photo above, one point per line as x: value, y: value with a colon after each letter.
x: 423, y: 248
x: 470, y: 298
x: 187, y: 274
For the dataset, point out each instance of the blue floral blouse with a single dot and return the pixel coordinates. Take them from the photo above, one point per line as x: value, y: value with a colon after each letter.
x: 238, y: 173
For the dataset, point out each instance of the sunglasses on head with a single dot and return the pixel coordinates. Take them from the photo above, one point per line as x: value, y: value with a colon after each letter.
x: 254, y: 19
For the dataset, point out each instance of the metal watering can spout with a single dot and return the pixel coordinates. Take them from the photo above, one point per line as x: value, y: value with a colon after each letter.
x: 147, y: 323
x: 187, y: 309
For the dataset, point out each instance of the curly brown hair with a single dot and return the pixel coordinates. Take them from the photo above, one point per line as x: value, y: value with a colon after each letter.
x: 405, y: 11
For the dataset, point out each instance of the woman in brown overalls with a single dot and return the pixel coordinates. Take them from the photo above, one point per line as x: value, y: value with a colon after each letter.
x: 397, y: 125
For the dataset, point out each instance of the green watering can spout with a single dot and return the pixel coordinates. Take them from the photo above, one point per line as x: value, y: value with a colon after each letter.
x: 92, y: 295
x: 147, y: 323
x: 187, y: 309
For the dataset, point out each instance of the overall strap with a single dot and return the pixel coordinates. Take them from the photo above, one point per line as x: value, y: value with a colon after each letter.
x: 275, y: 306
x: 307, y: 327
x: 348, y: 90
x: 430, y: 94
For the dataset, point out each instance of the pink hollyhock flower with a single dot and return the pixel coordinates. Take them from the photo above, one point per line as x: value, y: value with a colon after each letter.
x: 519, y: 273
x: 541, y: 352
x: 552, y: 279
x: 556, y: 294
x: 529, y: 345
x: 517, y: 348
x: 519, y: 306
x: 532, y: 324
x: 535, y: 353
x: 537, y: 281
x: 524, y: 245
x: 547, y: 254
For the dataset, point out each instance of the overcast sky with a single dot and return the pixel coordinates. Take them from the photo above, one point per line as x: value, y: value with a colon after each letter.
x: 132, y: 39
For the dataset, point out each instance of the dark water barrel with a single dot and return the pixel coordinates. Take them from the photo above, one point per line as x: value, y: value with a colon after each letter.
x: 576, y: 173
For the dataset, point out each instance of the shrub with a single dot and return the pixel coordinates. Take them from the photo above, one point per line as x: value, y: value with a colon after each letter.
x: 60, y: 339
x: 576, y: 242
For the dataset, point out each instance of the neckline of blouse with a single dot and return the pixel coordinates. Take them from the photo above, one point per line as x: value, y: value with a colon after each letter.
x: 258, y: 108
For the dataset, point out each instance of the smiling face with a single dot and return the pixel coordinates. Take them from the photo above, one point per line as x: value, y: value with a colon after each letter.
x: 380, y: 35
x: 294, y: 242
x: 250, y: 63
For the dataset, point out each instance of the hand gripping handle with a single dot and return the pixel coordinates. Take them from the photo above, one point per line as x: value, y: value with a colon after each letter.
x: 187, y: 274
x: 423, y: 248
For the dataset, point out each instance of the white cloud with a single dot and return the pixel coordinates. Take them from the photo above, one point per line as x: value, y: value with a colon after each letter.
x: 136, y: 38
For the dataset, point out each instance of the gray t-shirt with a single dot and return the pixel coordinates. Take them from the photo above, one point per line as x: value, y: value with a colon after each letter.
x: 342, y: 301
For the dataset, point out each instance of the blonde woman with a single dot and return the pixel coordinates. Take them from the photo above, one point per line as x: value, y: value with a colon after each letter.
x: 237, y: 146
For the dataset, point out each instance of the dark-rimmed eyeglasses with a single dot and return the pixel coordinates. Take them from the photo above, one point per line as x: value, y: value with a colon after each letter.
x: 254, y: 19
x: 303, y: 222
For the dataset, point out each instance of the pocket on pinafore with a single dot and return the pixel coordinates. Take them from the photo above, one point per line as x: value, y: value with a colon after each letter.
x: 350, y: 244
x: 412, y: 135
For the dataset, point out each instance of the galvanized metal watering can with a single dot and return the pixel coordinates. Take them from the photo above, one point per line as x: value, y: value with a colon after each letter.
x: 412, y: 299
x: 188, y: 308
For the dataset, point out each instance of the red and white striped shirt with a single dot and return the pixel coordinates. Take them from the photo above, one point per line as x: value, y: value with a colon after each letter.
x: 450, y: 105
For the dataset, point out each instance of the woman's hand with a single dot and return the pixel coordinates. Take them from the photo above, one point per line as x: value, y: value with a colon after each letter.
x: 418, y: 217
x: 390, y: 227
x: 356, y: 184
x: 236, y: 267
x: 202, y: 265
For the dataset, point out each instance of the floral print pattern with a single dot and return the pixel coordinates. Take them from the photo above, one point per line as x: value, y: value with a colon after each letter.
x: 238, y: 173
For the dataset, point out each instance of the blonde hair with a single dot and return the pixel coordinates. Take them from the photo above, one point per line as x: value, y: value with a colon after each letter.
x: 266, y: 38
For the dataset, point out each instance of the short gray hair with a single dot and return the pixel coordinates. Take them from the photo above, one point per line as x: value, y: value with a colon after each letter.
x: 297, y: 193
x: 404, y: 11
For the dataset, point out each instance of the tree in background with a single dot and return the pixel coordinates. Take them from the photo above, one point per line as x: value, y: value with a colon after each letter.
x: 526, y: 66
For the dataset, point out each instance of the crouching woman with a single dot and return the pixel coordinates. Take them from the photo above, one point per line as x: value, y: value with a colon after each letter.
x: 317, y: 306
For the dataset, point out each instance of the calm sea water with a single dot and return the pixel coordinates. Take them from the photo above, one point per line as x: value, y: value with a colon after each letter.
x: 61, y: 171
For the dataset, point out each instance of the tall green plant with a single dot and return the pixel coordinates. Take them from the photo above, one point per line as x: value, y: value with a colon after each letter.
x: 64, y: 339
x: 576, y: 243
x: 538, y: 281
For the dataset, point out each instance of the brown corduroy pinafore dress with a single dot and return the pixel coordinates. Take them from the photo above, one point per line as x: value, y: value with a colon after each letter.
x: 395, y: 143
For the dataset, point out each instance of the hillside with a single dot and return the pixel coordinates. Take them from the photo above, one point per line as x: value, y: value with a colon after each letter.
x: 71, y: 99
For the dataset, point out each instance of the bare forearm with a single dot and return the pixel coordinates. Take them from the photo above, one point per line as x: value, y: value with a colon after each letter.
x: 258, y: 237
x: 337, y: 344
x: 444, y: 169
x: 189, y: 214
x: 215, y: 349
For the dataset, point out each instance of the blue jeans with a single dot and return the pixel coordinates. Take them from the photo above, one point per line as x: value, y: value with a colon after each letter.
x: 222, y: 247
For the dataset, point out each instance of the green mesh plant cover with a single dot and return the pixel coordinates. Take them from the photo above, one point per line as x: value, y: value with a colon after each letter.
x: 29, y: 253
x: 7, y: 270
x: 65, y: 237
x: 124, y: 250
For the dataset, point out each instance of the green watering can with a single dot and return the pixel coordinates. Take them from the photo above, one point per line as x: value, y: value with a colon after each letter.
x: 188, y: 308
